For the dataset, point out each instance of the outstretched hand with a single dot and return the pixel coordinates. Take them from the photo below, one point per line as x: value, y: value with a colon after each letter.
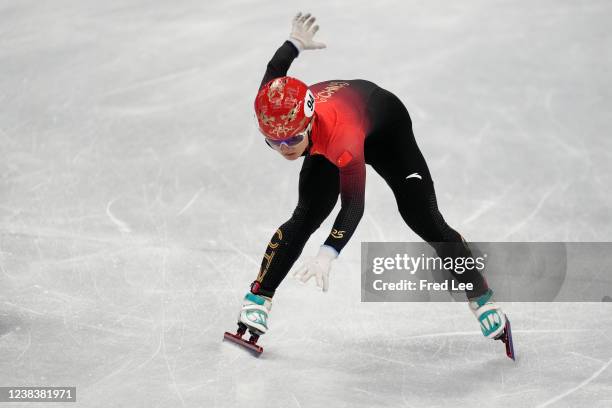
x: 303, y: 31
x: 319, y: 267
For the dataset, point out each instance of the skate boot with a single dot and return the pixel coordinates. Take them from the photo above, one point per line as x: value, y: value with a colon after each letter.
x: 254, y: 318
x: 254, y: 313
x: 493, y: 322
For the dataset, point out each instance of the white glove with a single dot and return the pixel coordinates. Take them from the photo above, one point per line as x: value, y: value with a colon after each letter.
x: 303, y: 31
x: 319, y: 267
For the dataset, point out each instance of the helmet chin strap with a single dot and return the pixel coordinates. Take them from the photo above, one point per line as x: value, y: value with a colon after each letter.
x: 310, y: 125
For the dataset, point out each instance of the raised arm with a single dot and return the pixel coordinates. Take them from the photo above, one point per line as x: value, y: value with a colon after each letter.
x: 280, y: 62
x: 301, y: 38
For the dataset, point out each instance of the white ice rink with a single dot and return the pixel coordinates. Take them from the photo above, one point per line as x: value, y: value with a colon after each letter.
x: 137, y: 198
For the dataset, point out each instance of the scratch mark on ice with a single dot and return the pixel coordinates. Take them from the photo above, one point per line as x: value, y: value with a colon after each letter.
x: 296, y: 400
x: 576, y: 388
x: 123, y: 227
x: 190, y: 203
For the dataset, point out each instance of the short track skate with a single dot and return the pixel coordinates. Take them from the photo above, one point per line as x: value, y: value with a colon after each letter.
x: 506, y: 338
x: 250, y: 344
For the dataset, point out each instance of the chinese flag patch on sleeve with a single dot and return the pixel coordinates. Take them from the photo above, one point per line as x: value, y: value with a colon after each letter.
x: 344, y: 159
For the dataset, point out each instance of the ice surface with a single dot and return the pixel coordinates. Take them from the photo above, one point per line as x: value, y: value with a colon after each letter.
x: 136, y: 199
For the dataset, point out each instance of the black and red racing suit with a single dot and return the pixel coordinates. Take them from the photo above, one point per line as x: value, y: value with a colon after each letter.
x: 356, y: 123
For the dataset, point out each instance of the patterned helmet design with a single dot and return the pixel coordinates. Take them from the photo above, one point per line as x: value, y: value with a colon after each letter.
x: 284, y: 107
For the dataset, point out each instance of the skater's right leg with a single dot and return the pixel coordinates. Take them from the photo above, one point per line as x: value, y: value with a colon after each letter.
x: 318, y: 193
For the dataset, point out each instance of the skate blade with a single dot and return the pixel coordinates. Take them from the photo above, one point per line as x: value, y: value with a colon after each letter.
x: 507, y: 339
x: 236, y: 339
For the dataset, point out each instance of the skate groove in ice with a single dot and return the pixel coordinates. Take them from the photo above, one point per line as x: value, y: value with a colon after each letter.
x: 577, y: 387
x: 121, y: 225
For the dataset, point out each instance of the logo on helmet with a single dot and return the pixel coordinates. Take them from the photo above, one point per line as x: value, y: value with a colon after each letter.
x: 290, y: 116
x: 265, y: 119
x: 276, y: 91
x: 281, y: 131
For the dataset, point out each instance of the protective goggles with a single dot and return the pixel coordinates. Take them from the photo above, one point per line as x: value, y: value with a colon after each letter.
x: 290, y: 141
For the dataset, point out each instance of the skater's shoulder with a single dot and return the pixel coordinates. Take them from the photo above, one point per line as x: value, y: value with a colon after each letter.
x: 341, y: 83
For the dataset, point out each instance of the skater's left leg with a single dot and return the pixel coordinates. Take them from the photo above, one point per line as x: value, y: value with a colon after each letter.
x: 399, y: 161
x: 394, y: 154
x: 418, y: 207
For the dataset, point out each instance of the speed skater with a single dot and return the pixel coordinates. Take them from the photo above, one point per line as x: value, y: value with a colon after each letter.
x: 338, y: 127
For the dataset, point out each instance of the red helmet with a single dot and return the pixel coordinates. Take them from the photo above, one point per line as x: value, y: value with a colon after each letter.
x: 284, y: 107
